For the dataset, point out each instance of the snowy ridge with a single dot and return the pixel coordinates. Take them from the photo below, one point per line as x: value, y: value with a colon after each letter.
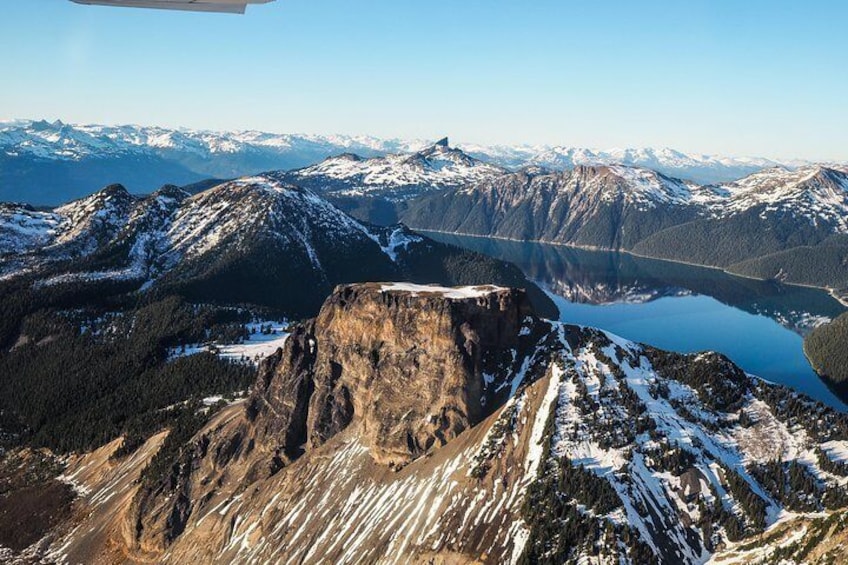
x: 676, y: 453
x: 169, y: 228
x: 23, y: 229
x: 695, y: 166
x: 397, y: 176
x: 818, y: 193
x: 58, y: 140
x: 650, y: 187
x: 30, y: 239
x: 233, y: 212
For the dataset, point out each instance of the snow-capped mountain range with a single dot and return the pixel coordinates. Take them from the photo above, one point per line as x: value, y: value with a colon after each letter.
x: 777, y: 223
x: 53, y: 162
x: 48, y: 163
x: 698, y: 167
x: 58, y: 140
x: 171, y: 228
x: 816, y: 192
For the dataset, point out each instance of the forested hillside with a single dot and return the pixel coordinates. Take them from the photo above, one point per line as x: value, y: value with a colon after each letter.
x: 822, y: 265
x: 76, y: 373
x: 827, y: 349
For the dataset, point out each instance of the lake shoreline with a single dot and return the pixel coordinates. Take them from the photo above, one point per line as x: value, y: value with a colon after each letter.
x: 834, y: 293
x: 827, y: 383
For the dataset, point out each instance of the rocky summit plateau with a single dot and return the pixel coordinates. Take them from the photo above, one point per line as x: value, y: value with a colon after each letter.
x: 427, y: 424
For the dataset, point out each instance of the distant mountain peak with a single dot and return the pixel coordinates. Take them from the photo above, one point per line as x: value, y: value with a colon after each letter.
x: 347, y: 156
x: 114, y: 190
x: 397, y: 176
x: 172, y: 191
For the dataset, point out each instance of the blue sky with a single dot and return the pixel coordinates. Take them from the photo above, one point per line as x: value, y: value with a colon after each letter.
x: 736, y: 77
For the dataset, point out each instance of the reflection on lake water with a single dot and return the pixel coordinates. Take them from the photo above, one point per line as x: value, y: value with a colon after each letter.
x: 758, y: 324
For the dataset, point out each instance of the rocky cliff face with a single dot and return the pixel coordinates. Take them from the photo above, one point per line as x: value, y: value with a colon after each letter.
x: 426, y: 424
x: 402, y: 369
x: 412, y: 367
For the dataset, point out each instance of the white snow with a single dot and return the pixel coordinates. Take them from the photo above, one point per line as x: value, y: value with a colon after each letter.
x: 398, y: 239
x: 264, y: 338
x: 649, y: 187
x: 814, y: 192
x: 433, y: 168
x: 836, y: 450
x: 455, y: 293
x: 536, y: 449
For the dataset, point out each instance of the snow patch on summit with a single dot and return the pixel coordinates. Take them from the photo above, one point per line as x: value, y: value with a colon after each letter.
x: 454, y: 293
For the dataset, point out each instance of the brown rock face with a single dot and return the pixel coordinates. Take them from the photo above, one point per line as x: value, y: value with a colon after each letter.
x: 413, y: 367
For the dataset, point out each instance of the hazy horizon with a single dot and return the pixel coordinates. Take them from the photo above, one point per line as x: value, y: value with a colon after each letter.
x: 424, y: 142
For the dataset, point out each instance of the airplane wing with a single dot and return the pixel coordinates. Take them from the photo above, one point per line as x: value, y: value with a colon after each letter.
x: 230, y: 6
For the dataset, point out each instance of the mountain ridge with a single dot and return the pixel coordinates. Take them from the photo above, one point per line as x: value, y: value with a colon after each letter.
x: 763, y: 225
x: 64, y: 160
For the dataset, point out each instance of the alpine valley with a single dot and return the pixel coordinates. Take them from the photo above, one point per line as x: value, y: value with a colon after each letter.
x: 283, y: 367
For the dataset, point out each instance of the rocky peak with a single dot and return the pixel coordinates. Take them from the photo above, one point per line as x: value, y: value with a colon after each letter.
x: 113, y: 197
x: 114, y: 191
x: 99, y: 216
x: 413, y: 366
x: 830, y: 177
x: 346, y: 157
x: 442, y: 150
x: 40, y: 125
x: 171, y: 191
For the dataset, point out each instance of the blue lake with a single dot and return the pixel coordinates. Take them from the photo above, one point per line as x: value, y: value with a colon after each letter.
x: 758, y: 324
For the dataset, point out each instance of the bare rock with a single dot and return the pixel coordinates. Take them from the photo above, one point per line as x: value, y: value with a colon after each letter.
x: 405, y: 366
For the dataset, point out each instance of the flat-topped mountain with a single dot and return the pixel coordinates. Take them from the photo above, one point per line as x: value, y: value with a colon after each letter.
x: 415, y: 423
